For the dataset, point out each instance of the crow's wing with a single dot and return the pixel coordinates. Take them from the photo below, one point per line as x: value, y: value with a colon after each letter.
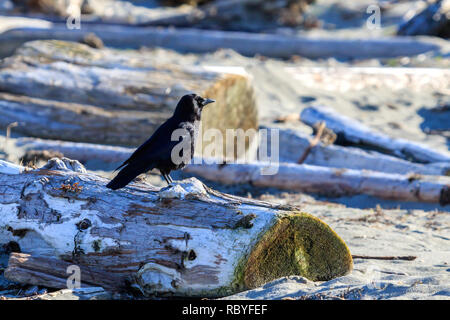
x: 158, y: 140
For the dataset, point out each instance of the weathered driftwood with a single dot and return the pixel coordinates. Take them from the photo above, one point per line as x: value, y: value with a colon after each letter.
x: 51, y: 7
x: 433, y: 20
x: 88, y: 293
x: 72, y: 92
x: 54, y: 273
x: 330, y: 181
x: 198, y: 41
x: 397, y: 179
x: 124, y: 12
x: 352, y: 132
x: 228, y: 14
x: 292, y: 144
x: 245, y: 15
x: 80, y: 151
x: 185, y: 239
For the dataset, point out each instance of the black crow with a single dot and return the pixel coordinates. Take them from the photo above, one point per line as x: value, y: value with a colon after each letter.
x: 156, y: 152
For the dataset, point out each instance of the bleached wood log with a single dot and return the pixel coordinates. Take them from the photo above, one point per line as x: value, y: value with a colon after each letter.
x: 54, y: 273
x: 113, y: 11
x: 291, y: 145
x: 88, y: 293
x: 328, y: 170
x: 353, y: 132
x: 80, y: 151
x: 249, y: 44
x: 186, y: 239
x: 330, y: 181
x: 69, y: 91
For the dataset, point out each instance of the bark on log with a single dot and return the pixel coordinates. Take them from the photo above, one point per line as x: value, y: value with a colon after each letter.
x: 330, y: 181
x: 352, y: 132
x: 72, y: 92
x: 185, y: 239
x: 249, y: 44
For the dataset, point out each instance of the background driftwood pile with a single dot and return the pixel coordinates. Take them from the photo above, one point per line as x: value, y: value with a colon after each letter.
x: 69, y: 91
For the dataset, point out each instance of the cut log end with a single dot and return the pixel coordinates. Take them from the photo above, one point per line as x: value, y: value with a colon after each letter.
x: 298, y: 244
x: 235, y: 107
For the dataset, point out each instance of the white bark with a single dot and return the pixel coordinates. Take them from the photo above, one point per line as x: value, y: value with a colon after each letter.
x: 353, y: 132
x: 185, y: 239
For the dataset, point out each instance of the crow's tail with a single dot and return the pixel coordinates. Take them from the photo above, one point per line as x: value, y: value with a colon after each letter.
x: 124, y: 177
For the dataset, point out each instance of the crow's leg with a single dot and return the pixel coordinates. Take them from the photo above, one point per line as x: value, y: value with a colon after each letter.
x: 166, y: 178
x: 170, y: 178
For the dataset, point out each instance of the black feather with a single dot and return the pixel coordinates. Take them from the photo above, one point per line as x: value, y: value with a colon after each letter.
x: 125, y: 176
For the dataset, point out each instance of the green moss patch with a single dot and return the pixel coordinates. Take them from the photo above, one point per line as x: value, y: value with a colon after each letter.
x: 298, y: 244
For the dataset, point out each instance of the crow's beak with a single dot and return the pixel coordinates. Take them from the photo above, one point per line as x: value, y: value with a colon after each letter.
x: 208, y: 101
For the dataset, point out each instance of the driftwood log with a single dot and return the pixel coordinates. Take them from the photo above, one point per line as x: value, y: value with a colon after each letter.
x: 352, y: 132
x: 70, y: 91
x: 292, y: 144
x: 199, y: 41
x: 226, y: 14
x: 332, y: 181
x: 433, y: 20
x: 185, y: 239
x: 88, y: 293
